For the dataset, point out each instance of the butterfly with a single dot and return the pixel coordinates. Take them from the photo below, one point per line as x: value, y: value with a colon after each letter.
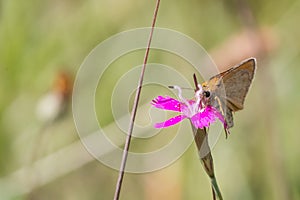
x: 227, y: 91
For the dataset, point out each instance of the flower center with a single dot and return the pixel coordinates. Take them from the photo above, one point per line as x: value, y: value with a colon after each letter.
x: 191, y: 107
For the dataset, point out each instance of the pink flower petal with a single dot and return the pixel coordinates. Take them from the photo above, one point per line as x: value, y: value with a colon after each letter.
x: 206, y: 117
x: 170, y: 122
x: 201, y: 120
x: 166, y: 103
x: 218, y: 115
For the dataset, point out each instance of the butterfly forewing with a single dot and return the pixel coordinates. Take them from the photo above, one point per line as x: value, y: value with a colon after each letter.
x: 237, y: 82
x: 229, y: 88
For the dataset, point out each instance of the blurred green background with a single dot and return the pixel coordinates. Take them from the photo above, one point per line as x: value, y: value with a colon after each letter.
x: 41, y: 39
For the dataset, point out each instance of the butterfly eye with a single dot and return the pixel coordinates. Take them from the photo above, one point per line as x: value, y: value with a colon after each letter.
x: 206, y: 94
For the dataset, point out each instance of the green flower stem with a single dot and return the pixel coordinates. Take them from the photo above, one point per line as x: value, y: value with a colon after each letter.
x: 201, y: 140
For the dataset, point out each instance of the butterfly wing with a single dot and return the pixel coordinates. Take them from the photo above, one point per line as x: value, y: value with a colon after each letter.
x: 229, y: 88
x: 236, y: 82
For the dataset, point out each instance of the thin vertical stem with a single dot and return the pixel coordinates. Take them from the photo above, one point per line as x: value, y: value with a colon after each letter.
x: 213, y: 193
x: 201, y: 140
x: 134, y: 109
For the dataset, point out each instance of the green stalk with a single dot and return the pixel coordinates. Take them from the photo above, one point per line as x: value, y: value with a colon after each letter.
x: 201, y: 140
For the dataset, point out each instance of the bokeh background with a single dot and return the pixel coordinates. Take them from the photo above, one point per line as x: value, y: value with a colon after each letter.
x: 42, y: 45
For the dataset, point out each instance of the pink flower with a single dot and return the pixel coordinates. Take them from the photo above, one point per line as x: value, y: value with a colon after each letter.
x: 200, y: 115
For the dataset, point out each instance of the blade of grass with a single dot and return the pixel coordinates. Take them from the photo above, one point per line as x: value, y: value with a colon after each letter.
x: 134, y: 109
